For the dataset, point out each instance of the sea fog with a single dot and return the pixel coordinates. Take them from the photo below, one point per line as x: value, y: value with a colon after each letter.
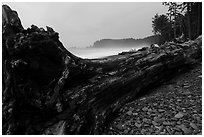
x: 91, y: 53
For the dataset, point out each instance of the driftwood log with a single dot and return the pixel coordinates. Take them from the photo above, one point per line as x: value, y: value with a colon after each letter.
x: 48, y: 90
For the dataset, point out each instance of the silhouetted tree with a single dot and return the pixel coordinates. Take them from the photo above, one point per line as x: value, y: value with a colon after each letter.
x: 162, y: 26
x: 193, y: 13
x: 185, y: 18
x: 173, y: 13
x: 196, y: 19
x: 186, y: 6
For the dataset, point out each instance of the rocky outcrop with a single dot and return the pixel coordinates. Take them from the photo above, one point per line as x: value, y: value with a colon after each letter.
x: 48, y: 90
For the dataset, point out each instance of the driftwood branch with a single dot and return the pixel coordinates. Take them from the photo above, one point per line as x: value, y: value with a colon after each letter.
x: 48, y: 90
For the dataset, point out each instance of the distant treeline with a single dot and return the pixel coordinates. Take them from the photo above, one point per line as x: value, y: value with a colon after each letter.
x: 129, y: 42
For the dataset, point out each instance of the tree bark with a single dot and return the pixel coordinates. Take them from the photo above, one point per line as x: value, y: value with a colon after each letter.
x: 175, y: 21
x: 48, y: 90
x: 189, y: 20
x: 199, y: 19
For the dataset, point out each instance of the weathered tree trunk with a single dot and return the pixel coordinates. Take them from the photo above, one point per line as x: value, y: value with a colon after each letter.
x: 199, y: 19
x: 175, y: 14
x: 48, y: 90
x: 189, y: 20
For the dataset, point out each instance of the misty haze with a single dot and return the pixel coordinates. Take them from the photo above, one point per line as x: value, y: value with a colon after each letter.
x: 105, y: 50
x: 91, y: 53
x: 107, y: 47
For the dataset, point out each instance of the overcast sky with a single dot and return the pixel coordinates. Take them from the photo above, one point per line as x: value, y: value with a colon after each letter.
x: 81, y: 24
